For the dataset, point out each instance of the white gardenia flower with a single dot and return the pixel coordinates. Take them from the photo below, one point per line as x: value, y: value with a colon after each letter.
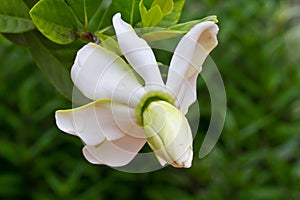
x: 131, y: 105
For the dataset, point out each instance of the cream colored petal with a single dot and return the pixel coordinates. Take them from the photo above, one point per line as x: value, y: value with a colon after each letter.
x: 99, y: 73
x: 161, y: 161
x: 114, y: 153
x: 187, y: 61
x: 168, y: 133
x: 98, y: 121
x: 137, y: 52
x: 185, y: 160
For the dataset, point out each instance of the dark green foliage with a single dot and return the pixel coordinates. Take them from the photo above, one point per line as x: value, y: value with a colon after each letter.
x: 257, y: 156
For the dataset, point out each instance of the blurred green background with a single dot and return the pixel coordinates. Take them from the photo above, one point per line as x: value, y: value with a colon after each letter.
x: 257, y: 156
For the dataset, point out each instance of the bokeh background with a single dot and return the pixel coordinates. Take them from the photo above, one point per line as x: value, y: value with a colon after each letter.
x: 257, y: 156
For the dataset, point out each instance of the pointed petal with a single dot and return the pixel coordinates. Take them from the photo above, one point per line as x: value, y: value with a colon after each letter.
x: 115, y: 153
x: 99, y: 73
x: 137, y: 52
x: 98, y: 121
x: 188, y: 58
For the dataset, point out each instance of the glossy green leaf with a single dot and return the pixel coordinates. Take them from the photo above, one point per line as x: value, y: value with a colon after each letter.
x: 14, y: 17
x: 158, y: 10
x: 55, y: 66
x: 55, y: 20
x: 173, y: 17
x: 84, y: 9
x: 151, y: 17
x: 128, y: 9
x: 96, y: 20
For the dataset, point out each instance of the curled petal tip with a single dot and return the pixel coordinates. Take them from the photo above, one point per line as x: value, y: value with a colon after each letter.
x: 187, y: 62
x: 185, y: 161
x: 119, y: 25
x: 117, y: 15
x: 89, y: 157
x: 116, y: 18
x: 64, y: 123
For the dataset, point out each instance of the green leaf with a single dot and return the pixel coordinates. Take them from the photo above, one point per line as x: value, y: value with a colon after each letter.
x: 55, y: 20
x: 84, y: 9
x: 128, y: 9
x: 151, y: 17
x: 14, y: 17
x: 185, y: 27
x: 174, y: 16
x: 160, y: 35
x: 16, y: 38
x: 96, y: 19
x: 166, y: 6
x: 109, y: 43
x: 30, y: 3
x: 55, y: 66
x: 157, y: 11
x: 175, y: 30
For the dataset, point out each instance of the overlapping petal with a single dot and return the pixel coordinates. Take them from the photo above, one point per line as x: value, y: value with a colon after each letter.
x: 168, y: 134
x: 100, y: 74
x: 137, y: 52
x: 108, y: 126
x: 187, y: 61
x: 99, y: 121
x: 114, y: 153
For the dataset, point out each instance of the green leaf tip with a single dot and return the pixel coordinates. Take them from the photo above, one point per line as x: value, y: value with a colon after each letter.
x: 153, y: 16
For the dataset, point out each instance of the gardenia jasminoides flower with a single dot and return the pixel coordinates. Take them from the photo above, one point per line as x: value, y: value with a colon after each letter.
x: 131, y: 105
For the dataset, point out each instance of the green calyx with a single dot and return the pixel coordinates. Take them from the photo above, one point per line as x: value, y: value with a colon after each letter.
x: 147, y: 99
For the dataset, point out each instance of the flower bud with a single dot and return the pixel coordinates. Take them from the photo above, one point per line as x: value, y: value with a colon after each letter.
x: 168, y: 134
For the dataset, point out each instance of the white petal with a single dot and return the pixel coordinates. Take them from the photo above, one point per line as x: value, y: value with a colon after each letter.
x: 99, y: 73
x: 137, y: 52
x: 81, y: 122
x: 161, y: 161
x: 65, y: 122
x: 124, y: 118
x: 187, y: 94
x: 185, y: 160
x: 98, y: 121
x: 114, y: 153
x: 90, y: 156
x: 187, y: 61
